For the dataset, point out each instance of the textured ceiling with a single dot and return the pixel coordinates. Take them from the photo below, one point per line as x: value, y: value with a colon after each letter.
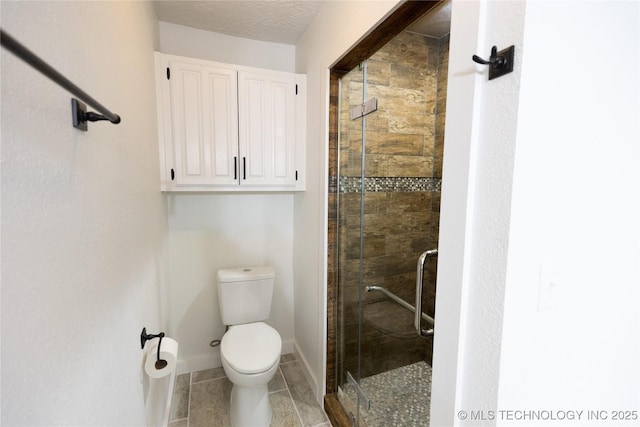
x: 278, y: 21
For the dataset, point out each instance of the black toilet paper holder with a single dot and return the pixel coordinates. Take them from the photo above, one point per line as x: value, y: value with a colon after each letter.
x: 144, y: 337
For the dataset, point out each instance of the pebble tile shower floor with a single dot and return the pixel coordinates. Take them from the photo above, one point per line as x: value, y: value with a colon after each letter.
x: 202, y: 399
x: 400, y: 397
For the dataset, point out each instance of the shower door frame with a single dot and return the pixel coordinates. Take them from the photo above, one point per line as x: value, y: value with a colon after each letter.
x: 403, y: 16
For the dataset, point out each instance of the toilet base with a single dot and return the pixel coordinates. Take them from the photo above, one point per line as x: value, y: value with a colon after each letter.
x: 250, y: 406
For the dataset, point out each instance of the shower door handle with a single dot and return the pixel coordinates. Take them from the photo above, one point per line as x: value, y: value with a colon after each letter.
x: 419, y: 274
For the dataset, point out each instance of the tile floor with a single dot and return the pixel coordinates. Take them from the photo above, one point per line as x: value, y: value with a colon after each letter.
x: 202, y: 399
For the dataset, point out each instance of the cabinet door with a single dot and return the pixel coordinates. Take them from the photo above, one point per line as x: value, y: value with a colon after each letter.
x: 204, y: 123
x: 267, y: 130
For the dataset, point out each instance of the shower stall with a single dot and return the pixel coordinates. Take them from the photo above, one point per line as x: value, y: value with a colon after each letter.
x: 390, y: 144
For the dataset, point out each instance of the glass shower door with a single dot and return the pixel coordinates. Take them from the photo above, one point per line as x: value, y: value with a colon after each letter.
x: 350, y: 208
x: 390, y: 149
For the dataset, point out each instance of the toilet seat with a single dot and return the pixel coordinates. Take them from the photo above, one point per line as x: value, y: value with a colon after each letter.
x: 251, y: 348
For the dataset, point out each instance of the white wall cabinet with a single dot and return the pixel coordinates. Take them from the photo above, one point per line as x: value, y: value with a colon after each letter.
x: 229, y: 128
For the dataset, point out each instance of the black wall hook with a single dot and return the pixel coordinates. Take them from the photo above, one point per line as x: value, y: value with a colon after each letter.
x: 500, y: 63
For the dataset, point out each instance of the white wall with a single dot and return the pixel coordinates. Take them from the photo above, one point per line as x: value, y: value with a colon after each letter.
x: 194, y: 43
x: 208, y: 232
x: 83, y: 223
x: 575, y: 216
x: 540, y: 174
x: 475, y: 211
x: 493, y: 153
x: 337, y: 27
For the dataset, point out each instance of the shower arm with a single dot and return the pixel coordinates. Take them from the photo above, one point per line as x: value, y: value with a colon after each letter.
x: 419, y: 281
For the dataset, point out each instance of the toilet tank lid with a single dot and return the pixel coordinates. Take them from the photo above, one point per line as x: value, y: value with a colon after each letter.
x: 245, y: 274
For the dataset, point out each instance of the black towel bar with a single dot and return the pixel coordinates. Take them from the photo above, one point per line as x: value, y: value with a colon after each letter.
x: 80, y: 117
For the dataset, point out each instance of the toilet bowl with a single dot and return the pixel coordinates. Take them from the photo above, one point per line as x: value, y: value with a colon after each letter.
x: 250, y: 356
x: 250, y: 349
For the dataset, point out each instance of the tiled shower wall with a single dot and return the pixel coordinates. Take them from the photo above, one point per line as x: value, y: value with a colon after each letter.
x: 403, y: 165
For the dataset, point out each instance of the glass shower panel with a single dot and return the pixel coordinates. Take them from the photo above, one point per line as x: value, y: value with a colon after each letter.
x: 392, y: 110
x: 399, y: 159
x: 349, y: 239
x: 390, y: 150
x: 399, y: 224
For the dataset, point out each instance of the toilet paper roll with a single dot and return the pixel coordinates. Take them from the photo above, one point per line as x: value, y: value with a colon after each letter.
x: 168, y: 353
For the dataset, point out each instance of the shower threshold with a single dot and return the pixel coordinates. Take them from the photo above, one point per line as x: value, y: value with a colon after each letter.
x: 399, y: 397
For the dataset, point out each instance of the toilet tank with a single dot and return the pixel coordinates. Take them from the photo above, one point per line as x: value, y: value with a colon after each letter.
x: 244, y: 294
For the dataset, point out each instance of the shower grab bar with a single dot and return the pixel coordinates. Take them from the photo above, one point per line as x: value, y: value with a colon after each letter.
x: 419, y: 275
x: 32, y: 59
x: 397, y: 299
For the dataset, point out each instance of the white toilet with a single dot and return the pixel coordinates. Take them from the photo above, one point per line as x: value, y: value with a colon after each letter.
x: 250, y: 349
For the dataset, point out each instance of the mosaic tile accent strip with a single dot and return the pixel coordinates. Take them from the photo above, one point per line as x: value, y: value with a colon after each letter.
x: 333, y: 184
x: 352, y: 184
x: 400, y: 397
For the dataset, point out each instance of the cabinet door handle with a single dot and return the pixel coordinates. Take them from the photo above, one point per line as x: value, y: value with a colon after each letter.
x: 244, y: 168
x: 235, y: 168
x: 173, y: 175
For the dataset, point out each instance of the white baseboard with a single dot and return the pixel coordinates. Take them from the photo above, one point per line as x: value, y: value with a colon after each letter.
x: 308, y: 373
x: 199, y: 362
x: 287, y: 347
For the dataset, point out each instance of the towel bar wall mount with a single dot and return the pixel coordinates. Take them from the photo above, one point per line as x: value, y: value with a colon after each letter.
x: 79, y: 113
